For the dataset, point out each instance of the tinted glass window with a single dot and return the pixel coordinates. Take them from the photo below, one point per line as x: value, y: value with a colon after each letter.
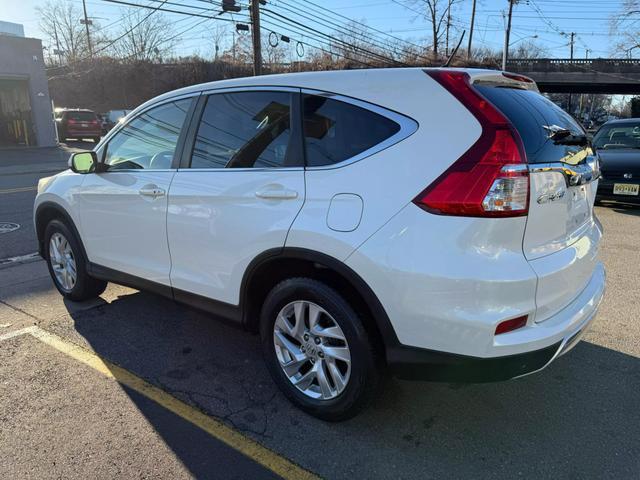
x: 335, y: 131
x: 244, y: 130
x: 530, y: 112
x: 618, y: 135
x: 150, y: 139
x: 116, y: 115
x: 81, y: 116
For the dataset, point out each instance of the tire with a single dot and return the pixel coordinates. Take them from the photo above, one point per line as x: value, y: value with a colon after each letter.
x: 345, y: 392
x: 84, y: 287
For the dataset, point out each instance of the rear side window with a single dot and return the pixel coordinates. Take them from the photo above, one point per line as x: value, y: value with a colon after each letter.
x: 81, y: 116
x: 244, y: 130
x: 335, y: 131
x: 530, y: 112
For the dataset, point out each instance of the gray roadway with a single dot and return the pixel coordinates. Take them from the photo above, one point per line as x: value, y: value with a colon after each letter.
x: 578, y: 419
x: 20, y: 169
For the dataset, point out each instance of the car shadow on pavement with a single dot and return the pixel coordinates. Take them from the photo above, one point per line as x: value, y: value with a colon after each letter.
x: 578, y: 418
x: 625, y: 208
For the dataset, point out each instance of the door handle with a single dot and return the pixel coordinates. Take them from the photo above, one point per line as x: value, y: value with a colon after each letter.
x: 151, y: 191
x: 277, y: 194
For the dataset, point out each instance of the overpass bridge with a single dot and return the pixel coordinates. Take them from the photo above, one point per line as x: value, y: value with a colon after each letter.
x: 597, y: 75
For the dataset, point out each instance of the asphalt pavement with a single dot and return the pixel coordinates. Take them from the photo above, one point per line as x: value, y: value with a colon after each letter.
x: 20, y: 170
x: 65, y: 417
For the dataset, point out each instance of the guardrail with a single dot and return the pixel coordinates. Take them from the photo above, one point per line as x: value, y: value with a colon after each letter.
x: 552, y: 63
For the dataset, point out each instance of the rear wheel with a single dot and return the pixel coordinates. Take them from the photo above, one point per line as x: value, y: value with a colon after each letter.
x: 317, y: 349
x: 67, y: 265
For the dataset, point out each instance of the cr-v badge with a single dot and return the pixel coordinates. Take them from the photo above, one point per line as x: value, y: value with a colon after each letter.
x: 551, y: 196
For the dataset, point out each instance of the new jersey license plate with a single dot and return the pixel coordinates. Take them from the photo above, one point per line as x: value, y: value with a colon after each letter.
x: 626, y: 189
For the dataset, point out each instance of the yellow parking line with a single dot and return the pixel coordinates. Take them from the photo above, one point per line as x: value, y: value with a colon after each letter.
x: 18, y: 189
x: 236, y: 440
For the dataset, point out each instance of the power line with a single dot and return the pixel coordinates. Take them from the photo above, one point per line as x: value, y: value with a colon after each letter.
x: 323, y: 43
x: 337, y: 40
x: 179, y: 12
x: 327, y: 51
x: 342, y: 28
x: 358, y: 23
x: 145, y: 18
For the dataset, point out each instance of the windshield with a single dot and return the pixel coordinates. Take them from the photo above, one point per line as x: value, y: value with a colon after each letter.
x: 618, y: 135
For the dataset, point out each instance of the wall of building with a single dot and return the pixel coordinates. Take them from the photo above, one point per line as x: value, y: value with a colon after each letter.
x: 21, y: 58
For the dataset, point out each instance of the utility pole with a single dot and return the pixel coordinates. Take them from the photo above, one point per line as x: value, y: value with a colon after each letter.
x: 255, y: 36
x: 473, y: 18
x: 507, y: 34
x: 571, y: 57
x: 86, y: 24
x: 446, y: 48
x: 571, y: 43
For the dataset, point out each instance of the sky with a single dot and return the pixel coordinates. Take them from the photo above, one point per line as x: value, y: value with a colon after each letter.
x: 549, y: 20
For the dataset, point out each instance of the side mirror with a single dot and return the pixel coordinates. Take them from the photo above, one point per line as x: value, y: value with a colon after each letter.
x: 83, y: 162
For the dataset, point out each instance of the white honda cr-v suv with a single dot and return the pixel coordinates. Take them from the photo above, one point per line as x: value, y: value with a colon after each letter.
x: 435, y: 222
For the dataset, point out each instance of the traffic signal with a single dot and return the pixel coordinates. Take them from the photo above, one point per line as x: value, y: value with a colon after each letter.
x: 230, y: 6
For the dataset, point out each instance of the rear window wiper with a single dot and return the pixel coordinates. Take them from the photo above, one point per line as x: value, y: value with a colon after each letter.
x: 579, y: 140
x: 563, y: 136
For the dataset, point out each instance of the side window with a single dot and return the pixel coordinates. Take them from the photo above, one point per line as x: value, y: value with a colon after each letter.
x: 335, y: 131
x: 244, y: 130
x: 149, y: 140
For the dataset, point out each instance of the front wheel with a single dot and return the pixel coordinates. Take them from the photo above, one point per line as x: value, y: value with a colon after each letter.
x: 67, y: 265
x: 317, y: 349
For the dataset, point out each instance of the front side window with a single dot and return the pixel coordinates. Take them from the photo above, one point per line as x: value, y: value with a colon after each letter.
x: 149, y: 140
x: 335, y: 131
x: 244, y: 130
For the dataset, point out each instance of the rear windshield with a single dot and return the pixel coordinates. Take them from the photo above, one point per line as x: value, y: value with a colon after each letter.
x: 530, y: 112
x: 81, y: 116
x: 618, y: 135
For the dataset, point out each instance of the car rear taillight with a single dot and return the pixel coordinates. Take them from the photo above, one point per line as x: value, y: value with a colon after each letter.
x: 491, y: 179
x: 71, y: 121
x: 511, y: 325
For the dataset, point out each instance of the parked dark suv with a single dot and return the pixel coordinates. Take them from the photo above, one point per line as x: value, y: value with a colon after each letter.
x: 78, y: 123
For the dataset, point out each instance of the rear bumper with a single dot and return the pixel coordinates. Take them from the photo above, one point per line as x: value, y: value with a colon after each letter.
x: 83, y: 133
x: 548, y: 340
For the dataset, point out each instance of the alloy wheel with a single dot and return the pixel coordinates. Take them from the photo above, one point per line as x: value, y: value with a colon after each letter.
x: 312, y: 350
x: 62, y: 261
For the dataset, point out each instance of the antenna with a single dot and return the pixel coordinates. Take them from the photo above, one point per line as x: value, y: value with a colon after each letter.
x: 455, y: 50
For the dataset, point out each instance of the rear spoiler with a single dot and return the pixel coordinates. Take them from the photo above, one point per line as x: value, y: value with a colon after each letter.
x: 504, y: 79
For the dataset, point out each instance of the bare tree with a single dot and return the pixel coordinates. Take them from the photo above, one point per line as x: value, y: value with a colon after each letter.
x: 60, y: 22
x: 240, y: 50
x: 529, y: 49
x: 217, y: 35
x: 144, y: 37
x: 625, y: 30
x: 439, y: 14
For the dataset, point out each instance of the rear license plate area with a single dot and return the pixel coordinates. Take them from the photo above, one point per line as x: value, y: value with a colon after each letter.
x: 626, y: 189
